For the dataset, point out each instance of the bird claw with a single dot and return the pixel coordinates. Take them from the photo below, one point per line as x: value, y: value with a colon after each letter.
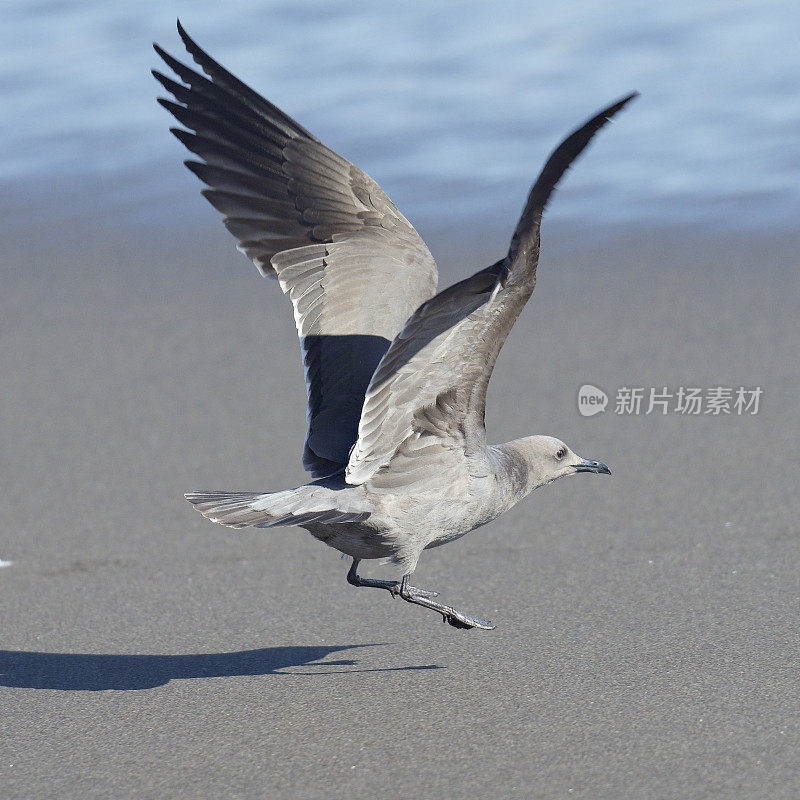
x: 462, y: 621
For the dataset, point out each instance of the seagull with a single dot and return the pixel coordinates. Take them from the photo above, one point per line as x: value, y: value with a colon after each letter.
x: 396, y: 374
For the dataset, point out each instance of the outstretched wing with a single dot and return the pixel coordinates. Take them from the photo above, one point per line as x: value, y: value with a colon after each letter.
x: 354, y: 267
x: 428, y: 394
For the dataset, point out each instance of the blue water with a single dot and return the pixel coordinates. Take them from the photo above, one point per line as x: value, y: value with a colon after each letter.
x: 451, y: 106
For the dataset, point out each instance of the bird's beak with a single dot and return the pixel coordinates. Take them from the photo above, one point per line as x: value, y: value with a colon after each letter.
x: 593, y: 466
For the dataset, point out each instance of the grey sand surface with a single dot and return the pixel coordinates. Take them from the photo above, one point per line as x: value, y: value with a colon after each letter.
x: 647, y: 640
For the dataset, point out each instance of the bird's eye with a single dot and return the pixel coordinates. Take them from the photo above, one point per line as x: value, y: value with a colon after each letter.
x: 561, y: 453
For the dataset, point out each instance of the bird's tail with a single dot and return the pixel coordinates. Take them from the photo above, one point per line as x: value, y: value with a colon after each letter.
x: 266, y: 510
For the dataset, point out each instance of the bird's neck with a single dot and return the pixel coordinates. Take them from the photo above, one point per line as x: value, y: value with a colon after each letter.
x: 516, y: 477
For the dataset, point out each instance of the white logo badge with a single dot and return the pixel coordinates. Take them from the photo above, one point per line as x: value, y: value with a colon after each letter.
x: 591, y: 400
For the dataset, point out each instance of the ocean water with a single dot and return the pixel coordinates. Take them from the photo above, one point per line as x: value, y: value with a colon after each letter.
x: 451, y: 106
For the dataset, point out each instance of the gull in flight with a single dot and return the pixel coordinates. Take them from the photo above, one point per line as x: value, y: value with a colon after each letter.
x: 396, y: 373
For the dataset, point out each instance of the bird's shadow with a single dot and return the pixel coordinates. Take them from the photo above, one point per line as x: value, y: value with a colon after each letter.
x: 97, y: 672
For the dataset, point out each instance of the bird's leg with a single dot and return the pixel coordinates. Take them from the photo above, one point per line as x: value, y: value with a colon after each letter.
x: 450, y: 615
x: 420, y: 597
x: 354, y: 579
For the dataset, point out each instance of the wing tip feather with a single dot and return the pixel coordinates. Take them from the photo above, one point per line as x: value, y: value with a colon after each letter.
x: 558, y: 163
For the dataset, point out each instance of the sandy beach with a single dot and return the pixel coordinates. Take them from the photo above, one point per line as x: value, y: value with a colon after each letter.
x: 647, y: 637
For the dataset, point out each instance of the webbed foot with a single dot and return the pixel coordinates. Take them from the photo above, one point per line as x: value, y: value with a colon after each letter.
x: 450, y: 615
x: 465, y: 622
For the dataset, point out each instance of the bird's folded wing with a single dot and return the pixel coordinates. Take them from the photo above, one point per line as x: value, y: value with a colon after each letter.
x: 354, y: 267
x: 429, y: 391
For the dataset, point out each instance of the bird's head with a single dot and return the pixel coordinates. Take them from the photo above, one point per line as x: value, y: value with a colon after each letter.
x: 548, y: 458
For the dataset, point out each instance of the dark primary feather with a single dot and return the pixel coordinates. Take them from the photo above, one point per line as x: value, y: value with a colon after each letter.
x: 523, y: 255
x: 353, y: 266
x: 225, y: 79
x: 449, y: 347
